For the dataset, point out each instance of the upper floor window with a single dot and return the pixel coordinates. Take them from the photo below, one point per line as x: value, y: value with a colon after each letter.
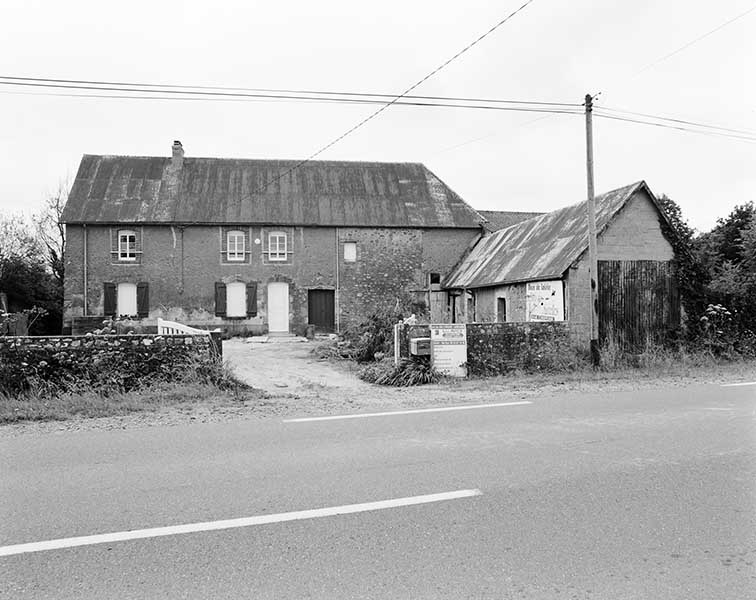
x: 235, y: 249
x: 127, y: 240
x: 350, y: 251
x: 277, y: 245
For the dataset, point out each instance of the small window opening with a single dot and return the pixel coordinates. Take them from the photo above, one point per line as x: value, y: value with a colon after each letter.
x: 350, y: 251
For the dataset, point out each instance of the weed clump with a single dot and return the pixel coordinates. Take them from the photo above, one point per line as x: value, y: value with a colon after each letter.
x: 410, y: 371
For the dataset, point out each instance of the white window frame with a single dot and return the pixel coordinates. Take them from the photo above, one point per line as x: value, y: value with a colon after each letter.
x: 352, y: 257
x: 278, y: 254
x: 233, y: 252
x: 125, y: 253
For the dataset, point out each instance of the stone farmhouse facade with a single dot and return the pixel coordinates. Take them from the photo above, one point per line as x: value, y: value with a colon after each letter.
x: 256, y: 245
x: 537, y: 270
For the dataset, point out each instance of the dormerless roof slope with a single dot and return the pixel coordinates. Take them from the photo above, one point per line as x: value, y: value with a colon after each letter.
x: 129, y: 189
x: 543, y: 247
x: 501, y: 219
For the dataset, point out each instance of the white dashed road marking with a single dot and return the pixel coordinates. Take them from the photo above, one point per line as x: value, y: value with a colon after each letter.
x: 739, y: 384
x: 140, y: 534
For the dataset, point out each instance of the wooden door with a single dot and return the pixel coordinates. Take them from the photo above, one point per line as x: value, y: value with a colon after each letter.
x: 320, y: 309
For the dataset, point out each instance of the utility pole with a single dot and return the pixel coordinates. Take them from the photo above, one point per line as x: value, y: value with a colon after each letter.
x: 592, y: 250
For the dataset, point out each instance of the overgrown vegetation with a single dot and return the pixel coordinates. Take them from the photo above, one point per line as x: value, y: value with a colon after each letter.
x: 416, y: 370
x: 717, y: 280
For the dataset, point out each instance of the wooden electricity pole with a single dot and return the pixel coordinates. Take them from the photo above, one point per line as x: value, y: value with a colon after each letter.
x: 592, y: 251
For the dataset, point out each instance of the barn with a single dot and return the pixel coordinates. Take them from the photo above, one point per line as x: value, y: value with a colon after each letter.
x: 538, y: 270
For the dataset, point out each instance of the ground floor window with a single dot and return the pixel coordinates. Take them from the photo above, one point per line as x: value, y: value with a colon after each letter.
x: 236, y: 299
x: 126, y: 299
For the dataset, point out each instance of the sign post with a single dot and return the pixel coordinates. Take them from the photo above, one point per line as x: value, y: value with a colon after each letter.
x: 449, y: 348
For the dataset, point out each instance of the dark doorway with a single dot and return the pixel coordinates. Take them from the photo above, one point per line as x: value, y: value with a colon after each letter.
x: 320, y: 309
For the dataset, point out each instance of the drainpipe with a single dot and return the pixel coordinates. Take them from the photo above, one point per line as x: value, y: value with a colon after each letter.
x: 336, y: 294
x: 86, y: 304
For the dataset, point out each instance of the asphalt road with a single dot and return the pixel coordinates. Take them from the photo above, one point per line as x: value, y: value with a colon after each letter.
x: 616, y: 495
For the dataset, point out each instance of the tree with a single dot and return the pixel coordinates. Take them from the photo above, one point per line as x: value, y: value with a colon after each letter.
x: 51, y: 233
x: 24, y: 277
x: 728, y: 255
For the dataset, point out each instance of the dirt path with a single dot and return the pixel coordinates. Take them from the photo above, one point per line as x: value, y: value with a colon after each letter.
x: 287, y: 367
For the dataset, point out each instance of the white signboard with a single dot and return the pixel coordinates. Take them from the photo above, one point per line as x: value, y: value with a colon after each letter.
x: 544, y: 301
x: 449, y: 348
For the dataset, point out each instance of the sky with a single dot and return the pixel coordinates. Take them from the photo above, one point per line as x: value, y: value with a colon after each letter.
x: 551, y: 51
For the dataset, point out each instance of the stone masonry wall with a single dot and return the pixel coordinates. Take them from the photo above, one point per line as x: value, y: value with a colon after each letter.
x: 93, y: 361
x: 494, y: 348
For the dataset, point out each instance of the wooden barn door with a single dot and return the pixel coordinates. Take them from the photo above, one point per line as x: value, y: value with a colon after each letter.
x: 638, y: 301
x: 320, y: 309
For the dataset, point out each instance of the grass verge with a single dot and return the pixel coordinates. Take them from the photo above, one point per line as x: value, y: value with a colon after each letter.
x: 31, y: 406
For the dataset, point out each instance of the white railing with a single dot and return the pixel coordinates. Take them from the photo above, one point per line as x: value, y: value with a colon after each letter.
x: 174, y: 328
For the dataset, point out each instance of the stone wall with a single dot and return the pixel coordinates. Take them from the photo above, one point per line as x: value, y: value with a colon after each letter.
x: 494, y: 348
x: 101, y: 361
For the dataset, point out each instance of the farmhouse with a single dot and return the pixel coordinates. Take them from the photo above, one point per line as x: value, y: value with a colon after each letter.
x: 538, y: 270
x: 256, y: 245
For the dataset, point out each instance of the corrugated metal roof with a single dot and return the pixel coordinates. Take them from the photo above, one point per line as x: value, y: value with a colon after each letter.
x: 128, y: 189
x: 501, y: 219
x: 540, y: 248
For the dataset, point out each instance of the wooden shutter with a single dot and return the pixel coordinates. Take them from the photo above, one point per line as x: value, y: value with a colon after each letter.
x: 252, y: 299
x: 220, y: 299
x: 143, y: 300
x: 109, y: 293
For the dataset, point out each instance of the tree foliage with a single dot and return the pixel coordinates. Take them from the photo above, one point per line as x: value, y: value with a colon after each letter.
x: 27, y: 275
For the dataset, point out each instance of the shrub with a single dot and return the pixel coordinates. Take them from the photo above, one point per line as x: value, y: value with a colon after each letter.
x: 375, y: 335
x: 416, y: 370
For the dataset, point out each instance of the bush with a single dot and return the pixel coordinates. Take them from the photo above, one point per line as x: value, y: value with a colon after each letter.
x: 375, y: 335
x: 416, y: 370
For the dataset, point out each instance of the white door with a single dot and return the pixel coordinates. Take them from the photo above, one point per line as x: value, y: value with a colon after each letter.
x: 278, y: 307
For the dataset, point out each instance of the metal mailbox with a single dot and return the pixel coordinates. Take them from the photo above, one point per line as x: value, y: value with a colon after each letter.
x: 420, y: 346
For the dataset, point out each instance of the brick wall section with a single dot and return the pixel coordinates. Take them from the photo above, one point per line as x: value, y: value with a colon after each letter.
x: 494, y: 348
x: 181, y: 266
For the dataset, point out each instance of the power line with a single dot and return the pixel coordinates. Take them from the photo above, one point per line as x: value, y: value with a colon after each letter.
x: 679, y: 128
x: 673, y: 120
x: 399, y: 97
x: 39, y: 81
x: 519, y: 107
x: 696, y: 40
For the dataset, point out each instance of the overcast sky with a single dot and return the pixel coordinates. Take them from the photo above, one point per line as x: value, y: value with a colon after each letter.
x: 551, y: 51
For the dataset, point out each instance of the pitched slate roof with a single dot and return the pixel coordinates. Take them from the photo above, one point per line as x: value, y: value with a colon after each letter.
x: 501, y: 219
x: 129, y: 189
x: 543, y: 247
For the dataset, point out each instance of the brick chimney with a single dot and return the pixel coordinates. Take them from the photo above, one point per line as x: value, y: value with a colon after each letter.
x: 177, y: 159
